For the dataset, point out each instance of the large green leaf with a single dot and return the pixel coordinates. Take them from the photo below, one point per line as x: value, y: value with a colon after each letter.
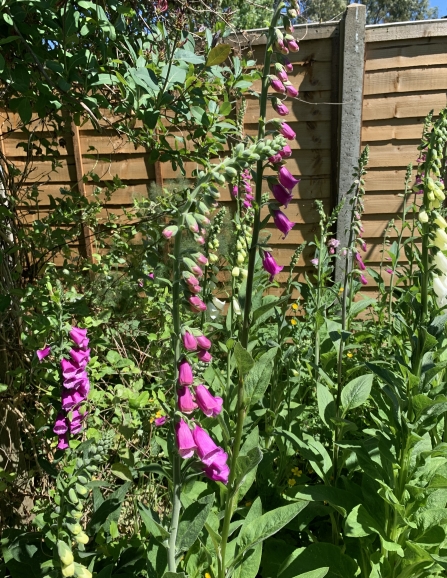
x: 356, y: 392
x: 188, y: 56
x: 192, y: 521
x: 249, y: 566
x: 258, y: 377
x: 318, y: 557
x: 218, y: 54
x: 326, y: 404
x: 244, y: 360
x: 360, y: 523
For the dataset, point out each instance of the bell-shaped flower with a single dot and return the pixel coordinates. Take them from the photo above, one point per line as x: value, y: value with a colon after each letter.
x: 217, y: 473
x: 440, y: 286
x: 159, y: 421
x: 204, y: 356
x: 287, y: 179
x: 42, y: 353
x: 203, y: 342
x: 206, y: 448
x: 236, y: 306
x: 80, y: 357
x: 77, y: 419
x: 281, y: 194
x: 210, y: 405
x: 287, y: 131
x: 79, y: 336
x: 61, y: 424
x: 70, y: 399
x: 288, y: 65
x: 270, y: 265
x: 185, y: 400
x: 76, y: 381
x: 360, y: 262
x: 363, y: 280
x: 213, y: 312
x: 62, y: 443
x: 218, y: 303
x: 276, y: 84
x: 185, y: 375
x: 189, y: 341
x: 185, y: 442
x: 282, y: 222
x: 69, y: 369
x: 280, y: 107
x: 197, y: 305
x: 200, y: 258
x: 440, y: 260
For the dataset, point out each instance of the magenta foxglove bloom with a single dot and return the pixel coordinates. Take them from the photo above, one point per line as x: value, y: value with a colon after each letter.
x: 206, y: 448
x: 42, y: 353
x: 62, y: 442
x: 69, y: 369
x: 291, y: 90
x: 285, y: 152
x: 197, y: 305
x: 151, y: 275
x: 292, y: 45
x: 276, y: 84
x: 360, y: 262
x: 80, y: 357
x: 70, y: 399
x: 282, y: 75
x: 84, y: 388
x: 388, y: 270
x: 159, y: 421
x: 190, y: 279
x: 270, y: 265
x: 185, y: 441
x: 169, y: 232
x: 196, y: 289
x: 235, y: 191
x: 217, y: 474
x: 185, y: 401
x: 185, y: 376
x: 364, y: 246
x: 203, y: 342
x: 79, y: 336
x: 61, y: 424
x: 282, y: 222
x: 189, y: 341
x: 77, y: 421
x: 333, y: 243
x: 287, y: 179
x: 210, y: 405
x: 204, y: 356
x: 287, y: 131
x: 363, y: 280
x: 281, y: 194
x: 76, y: 381
x: 280, y: 107
x: 314, y: 262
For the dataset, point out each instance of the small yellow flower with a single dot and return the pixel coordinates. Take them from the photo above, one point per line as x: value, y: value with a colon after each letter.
x: 295, y: 306
x: 151, y: 420
x: 293, y: 321
x: 349, y: 354
x: 291, y: 482
x: 297, y: 472
x: 341, y: 289
x: 207, y: 575
x: 248, y: 504
x: 158, y: 414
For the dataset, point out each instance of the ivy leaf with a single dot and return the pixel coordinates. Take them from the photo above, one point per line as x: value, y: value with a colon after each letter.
x: 218, y: 54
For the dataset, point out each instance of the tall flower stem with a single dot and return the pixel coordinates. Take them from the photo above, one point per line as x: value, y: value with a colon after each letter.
x: 176, y: 462
x: 241, y: 409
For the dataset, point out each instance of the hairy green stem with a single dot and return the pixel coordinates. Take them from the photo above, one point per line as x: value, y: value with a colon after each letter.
x: 241, y: 409
x: 176, y: 464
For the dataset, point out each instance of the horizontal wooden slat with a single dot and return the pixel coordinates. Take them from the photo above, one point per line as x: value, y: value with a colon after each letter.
x: 390, y: 180
x: 388, y: 203
x: 309, y: 77
x: 424, y: 52
x: 309, y: 32
x: 405, y: 30
x: 392, y: 130
x: 406, y: 80
x: 309, y: 106
x: 317, y: 50
x: 408, y: 106
x: 390, y: 155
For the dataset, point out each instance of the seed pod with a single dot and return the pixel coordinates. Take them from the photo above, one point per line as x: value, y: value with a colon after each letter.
x: 231, y: 172
x: 92, y: 469
x: 82, y: 479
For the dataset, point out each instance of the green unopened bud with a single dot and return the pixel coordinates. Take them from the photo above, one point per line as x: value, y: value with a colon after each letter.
x: 236, y: 272
x: 82, y: 572
x: 81, y: 538
x: 191, y: 223
x: 423, y: 217
x: 213, y: 258
x: 240, y: 258
x: 75, y: 529
x: 65, y: 553
x: 238, y: 149
x: 430, y: 184
x: 68, y: 570
x: 244, y: 273
x: 259, y: 146
x: 82, y: 479
x: 230, y: 172
x: 440, y: 221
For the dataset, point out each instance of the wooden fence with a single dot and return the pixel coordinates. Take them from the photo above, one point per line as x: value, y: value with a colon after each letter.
x: 358, y: 85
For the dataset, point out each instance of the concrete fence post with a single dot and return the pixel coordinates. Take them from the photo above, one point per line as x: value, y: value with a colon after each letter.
x: 352, y: 66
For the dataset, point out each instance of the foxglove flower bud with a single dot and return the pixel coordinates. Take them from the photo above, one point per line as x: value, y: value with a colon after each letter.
x: 159, y: 421
x: 185, y: 401
x: 284, y: 129
x: 203, y: 342
x: 185, y: 442
x: 191, y: 223
x: 42, y: 353
x: 285, y: 152
x: 280, y: 107
x: 291, y: 90
x: 440, y: 221
x: 270, y: 265
x: 200, y: 258
x: 275, y: 159
x: 280, y: 72
x: 185, y: 376
x: 204, y: 356
x: 210, y: 405
x: 197, y: 305
x: 189, y: 278
x: 193, y: 267
x: 276, y: 84
x: 292, y: 13
x: 80, y: 357
x: 360, y: 262
x: 235, y: 272
x: 236, y: 307
x: 170, y: 231
x: 291, y: 43
x: 195, y: 289
x: 363, y: 280
x: 281, y: 194
x: 189, y: 341
x: 288, y: 65
x: 440, y: 261
x: 65, y: 553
